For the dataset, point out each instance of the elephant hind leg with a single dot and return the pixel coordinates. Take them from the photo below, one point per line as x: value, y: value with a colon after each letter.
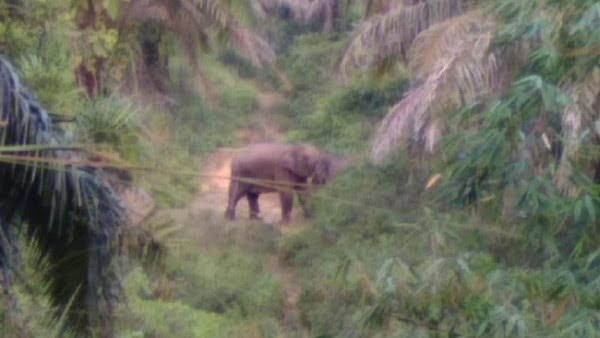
x: 253, y: 205
x: 235, y: 194
x: 287, y: 204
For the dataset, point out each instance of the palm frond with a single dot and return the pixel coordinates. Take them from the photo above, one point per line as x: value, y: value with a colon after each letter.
x: 462, y: 71
x: 577, y: 118
x: 191, y: 20
x: 327, y: 10
x: 434, y: 43
x: 374, y: 7
x: 255, y: 48
x: 252, y: 45
x: 71, y: 214
x: 391, y: 34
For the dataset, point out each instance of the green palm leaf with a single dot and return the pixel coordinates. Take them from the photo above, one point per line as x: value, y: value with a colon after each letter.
x: 71, y: 214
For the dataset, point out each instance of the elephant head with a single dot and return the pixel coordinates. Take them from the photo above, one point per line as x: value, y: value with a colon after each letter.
x: 307, y: 161
x: 301, y: 160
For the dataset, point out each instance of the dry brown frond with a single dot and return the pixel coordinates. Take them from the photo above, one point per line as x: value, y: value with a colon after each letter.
x: 190, y: 20
x: 321, y: 8
x: 255, y: 48
x: 374, y: 7
x: 433, y: 44
x: 145, y: 10
x: 465, y: 71
x: 391, y: 34
x: 577, y: 118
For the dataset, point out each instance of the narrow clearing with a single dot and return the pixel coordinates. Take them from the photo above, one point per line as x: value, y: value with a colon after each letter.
x: 211, y: 200
x: 213, y: 186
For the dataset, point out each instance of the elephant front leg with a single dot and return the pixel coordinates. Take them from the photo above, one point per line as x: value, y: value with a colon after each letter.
x: 287, y: 204
x: 305, y: 202
x: 253, y: 205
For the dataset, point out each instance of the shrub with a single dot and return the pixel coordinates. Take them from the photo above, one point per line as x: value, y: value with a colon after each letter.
x: 243, y: 66
x: 165, y: 319
x: 240, y: 100
x: 232, y: 282
x: 112, y: 121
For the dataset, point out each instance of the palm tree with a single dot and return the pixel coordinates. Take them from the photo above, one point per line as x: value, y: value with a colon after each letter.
x: 446, y: 43
x: 390, y: 34
x: 456, y: 66
x: 326, y: 12
x: 465, y: 55
x: 69, y: 213
x: 192, y: 22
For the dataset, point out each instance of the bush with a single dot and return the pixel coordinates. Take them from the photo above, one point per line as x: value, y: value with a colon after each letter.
x: 243, y: 66
x: 240, y: 100
x: 165, y: 319
x: 112, y: 121
x: 296, y: 249
x: 367, y: 199
x: 309, y: 63
x: 53, y: 80
x: 201, y: 129
x: 341, y: 118
x: 232, y: 282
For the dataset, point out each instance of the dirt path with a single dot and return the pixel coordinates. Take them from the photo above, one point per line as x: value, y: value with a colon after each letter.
x: 212, y: 193
x: 211, y: 200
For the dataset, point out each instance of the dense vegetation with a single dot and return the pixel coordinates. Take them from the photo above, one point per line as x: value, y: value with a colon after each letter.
x: 472, y: 205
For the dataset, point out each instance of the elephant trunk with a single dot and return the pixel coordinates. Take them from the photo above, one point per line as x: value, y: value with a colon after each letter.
x: 328, y: 168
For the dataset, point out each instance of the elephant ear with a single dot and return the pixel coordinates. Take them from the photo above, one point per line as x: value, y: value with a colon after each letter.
x: 298, y: 161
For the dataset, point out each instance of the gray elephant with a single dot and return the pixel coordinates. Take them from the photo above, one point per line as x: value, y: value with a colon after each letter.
x: 275, y: 167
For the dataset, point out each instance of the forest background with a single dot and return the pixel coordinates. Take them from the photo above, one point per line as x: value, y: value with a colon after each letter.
x: 471, y: 207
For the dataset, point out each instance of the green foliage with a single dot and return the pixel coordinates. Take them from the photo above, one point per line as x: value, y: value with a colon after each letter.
x: 244, y: 67
x: 166, y: 319
x: 202, y: 129
x: 112, y: 121
x: 226, y: 290
x: 283, y: 32
x: 393, y: 198
x: 309, y: 63
x: 70, y: 214
x: 436, y: 279
x: 32, y: 26
x: 295, y: 249
x: 385, y: 257
x: 237, y: 98
x: 246, y: 70
x: 240, y: 100
x: 344, y: 118
x: 232, y: 282
x: 511, y: 150
x: 51, y: 79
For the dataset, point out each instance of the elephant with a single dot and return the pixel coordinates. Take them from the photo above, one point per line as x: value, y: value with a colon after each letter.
x: 278, y: 167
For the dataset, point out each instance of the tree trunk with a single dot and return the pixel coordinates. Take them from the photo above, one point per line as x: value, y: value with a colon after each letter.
x: 154, y: 65
x: 89, y: 71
